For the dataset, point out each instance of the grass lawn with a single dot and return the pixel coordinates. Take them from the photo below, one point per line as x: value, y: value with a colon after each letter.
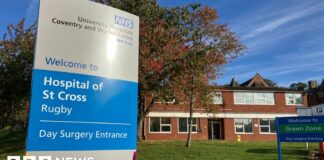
x: 12, y: 143
x: 220, y: 150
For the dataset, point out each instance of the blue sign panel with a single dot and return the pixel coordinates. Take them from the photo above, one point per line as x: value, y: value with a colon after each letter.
x: 301, y: 129
x: 85, y: 82
x: 81, y: 112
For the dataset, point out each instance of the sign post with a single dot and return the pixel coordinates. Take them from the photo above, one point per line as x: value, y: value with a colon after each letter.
x: 278, y: 141
x: 85, y: 79
x: 300, y: 129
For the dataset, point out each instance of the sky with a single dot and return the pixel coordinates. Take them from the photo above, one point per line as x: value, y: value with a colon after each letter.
x: 284, y: 39
x: 12, y: 11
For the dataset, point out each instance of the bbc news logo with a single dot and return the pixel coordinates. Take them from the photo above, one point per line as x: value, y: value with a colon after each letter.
x: 47, y: 158
x: 124, y: 22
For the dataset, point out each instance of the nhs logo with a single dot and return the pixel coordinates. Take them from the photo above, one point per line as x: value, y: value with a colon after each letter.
x: 124, y: 22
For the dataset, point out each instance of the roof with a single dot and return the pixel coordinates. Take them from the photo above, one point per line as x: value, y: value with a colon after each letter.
x: 321, y: 87
x: 316, y: 89
x: 256, y: 81
x: 234, y: 83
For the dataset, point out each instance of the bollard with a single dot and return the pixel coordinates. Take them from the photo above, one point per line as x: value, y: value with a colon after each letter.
x: 239, y: 138
x: 321, y: 150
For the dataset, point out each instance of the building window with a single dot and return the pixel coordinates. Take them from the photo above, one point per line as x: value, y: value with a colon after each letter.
x: 248, y: 98
x: 184, y: 125
x: 160, y: 124
x: 263, y: 98
x: 167, y: 99
x: 238, y: 98
x: 269, y: 98
x: 268, y: 125
x: 259, y: 98
x: 294, y: 98
x: 217, y: 98
x: 243, y: 125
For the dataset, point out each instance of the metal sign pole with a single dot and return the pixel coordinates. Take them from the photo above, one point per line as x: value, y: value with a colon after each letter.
x: 278, y: 140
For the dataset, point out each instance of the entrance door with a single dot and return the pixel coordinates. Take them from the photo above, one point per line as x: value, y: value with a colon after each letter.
x: 214, y: 129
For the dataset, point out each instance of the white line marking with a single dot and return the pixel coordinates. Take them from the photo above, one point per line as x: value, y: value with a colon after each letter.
x: 82, y: 122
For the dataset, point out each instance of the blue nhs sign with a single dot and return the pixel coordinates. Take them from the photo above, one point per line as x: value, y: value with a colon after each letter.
x: 124, y: 22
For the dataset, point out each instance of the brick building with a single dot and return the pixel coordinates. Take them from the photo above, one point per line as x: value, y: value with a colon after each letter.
x: 245, y: 110
x: 315, y: 93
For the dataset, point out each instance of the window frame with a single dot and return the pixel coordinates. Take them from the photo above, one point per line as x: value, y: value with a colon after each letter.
x: 265, y: 95
x: 294, y: 99
x: 161, y: 125
x: 269, y: 126
x: 213, y: 94
x: 161, y: 101
x: 187, y: 119
x: 244, y: 132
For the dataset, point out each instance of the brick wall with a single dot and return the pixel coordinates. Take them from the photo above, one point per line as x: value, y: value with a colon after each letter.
x: 228, y: 105
x: 316, y: 98
x: 202, y: 133
x: 229, y: 132
x: 279, y: 106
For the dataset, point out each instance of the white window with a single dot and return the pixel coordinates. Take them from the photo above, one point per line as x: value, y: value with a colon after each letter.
x: 169, y: 101
x: 217, y: 98
x: 184, y: 125
x: 259, y: 98
x: 264, y: 98
x: 248, y: 98
x: 160, y: 124
x: 243, y: 125
x: 238, y: 98
x: 164, y: 100
x: 269, y: 98
x: 267, y: 125
x: 294, y: 98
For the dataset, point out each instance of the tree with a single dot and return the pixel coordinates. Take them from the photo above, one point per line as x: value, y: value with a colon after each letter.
x: 160, y: 49
x: 298, y: 86
x: 169, y: 42
x: 16, y: 59
x: 181, y: 49
x: 157, y: 47
x: 209, y: 45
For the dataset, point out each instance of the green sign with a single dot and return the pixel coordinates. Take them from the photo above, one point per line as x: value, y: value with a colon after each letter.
x: 302, y: 128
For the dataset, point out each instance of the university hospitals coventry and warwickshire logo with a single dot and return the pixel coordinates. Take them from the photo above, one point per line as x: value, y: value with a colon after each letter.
x: 124, y: 22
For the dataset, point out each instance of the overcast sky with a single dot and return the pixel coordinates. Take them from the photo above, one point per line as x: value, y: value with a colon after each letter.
x: 285, y: 39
